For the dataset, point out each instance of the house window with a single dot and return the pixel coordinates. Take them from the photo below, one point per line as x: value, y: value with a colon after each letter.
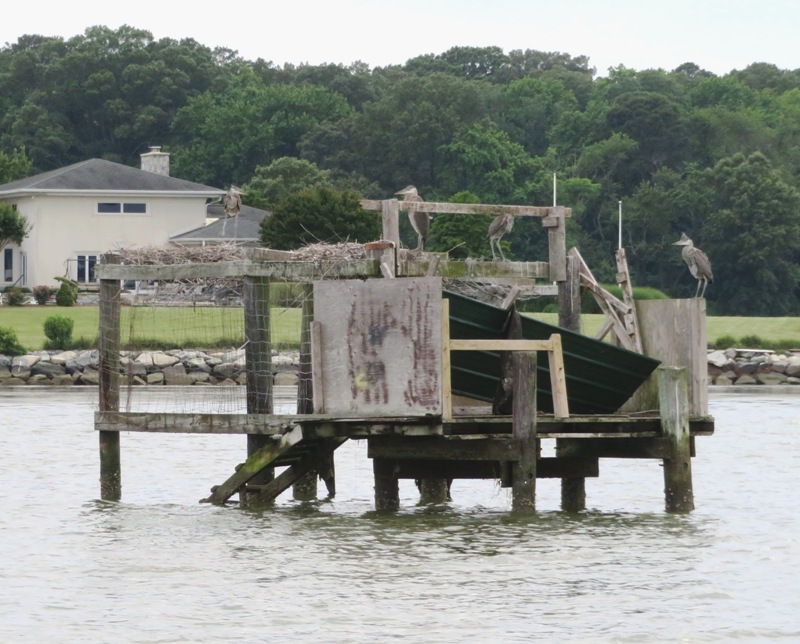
x: 121, y: 207
x: 8, y: 265
x: 85, y: 268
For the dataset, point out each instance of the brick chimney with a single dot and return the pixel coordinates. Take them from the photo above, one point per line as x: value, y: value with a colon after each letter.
x: 156, y: 161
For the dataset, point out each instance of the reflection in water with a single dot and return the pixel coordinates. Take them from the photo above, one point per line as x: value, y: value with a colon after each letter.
x: 160, y: 567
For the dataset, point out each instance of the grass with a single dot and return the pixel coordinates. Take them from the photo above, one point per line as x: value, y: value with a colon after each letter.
x: 213, y: 327
x: 153, y: 327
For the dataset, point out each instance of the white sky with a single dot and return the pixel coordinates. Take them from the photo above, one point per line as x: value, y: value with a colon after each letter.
x: 717, y: 35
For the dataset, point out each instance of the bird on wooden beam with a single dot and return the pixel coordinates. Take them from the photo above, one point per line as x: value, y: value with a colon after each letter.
x: 420, y: 221
x: 232, y: 201
x: 698, y: 264
x: 498, y: 229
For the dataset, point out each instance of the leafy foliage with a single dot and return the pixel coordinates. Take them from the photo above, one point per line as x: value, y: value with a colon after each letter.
x: 67, y: 294
x: 9, y: 344
x: 14, y: 227
x: 318, y: 215
x: 58, y: 330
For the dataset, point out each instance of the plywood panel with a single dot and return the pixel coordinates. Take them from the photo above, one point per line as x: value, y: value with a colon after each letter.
x: 381, y: 346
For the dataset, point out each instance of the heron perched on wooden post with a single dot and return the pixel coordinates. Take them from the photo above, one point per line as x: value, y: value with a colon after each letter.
x: 498, y: 229
x: 698, y: 263
x: 420, y: 221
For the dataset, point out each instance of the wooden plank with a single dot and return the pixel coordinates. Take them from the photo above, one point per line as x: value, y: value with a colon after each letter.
x: 381, y: 346
x: 390, y: 220
x: 442, y: 448
x: 304, y: 488
x: 547, y: 468
x: 447, y: 392
x: 501, y: 344
x: 557, y: 243
x: 164, y: 423
x: 657, y: 448
x: 523, y: 489
x: 674, y: 331
x: 255, y: 463
x: 316, y: 367
x: 674, y: 403
x: 569, y: 296
x: 288, y: 271
x: 109, y: 343
x: 558, y: 380
x: 467, y: 208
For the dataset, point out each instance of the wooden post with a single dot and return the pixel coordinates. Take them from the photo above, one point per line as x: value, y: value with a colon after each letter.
x: 390, y: 218
x: 258, y: 359
x: 434, y: 491
x: 387, y: 490
x: 557, y: 242
x: 523, y: 490
x: 109, y: 343
x: 674, y: 401
x: 573, y: 489
x: 569, y: 297
x: 305, y: 488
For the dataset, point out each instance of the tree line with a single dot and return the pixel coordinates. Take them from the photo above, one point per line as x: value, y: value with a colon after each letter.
x: 717, y: 157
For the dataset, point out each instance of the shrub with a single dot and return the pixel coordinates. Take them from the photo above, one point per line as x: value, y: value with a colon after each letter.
x: 58, y: 330
x: 67, y: 294
x: 723, y: 342
x: 42, y: 294
x: 16, y: 296
x: 9, y: 344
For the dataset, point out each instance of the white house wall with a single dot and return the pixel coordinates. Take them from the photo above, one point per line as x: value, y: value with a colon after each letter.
x: 64, y: 226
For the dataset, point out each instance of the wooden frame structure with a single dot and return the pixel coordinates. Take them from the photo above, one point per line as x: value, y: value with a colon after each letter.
x: 434, y: 449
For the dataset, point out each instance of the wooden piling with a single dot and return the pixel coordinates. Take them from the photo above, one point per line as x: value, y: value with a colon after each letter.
x: 305, y: 489
x: 434, y: 490
x: 109, y: 344
x: 674, y: 403
x: 573, y: 489
x: 523, y: 489
x: 258, y: 358
x: 387, y: 489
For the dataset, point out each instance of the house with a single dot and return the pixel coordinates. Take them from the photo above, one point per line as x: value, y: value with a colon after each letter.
x: 89, y: 208
x: 242, y: 230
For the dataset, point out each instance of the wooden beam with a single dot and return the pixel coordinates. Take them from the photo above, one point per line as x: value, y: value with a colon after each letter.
x: 390, y: 220
x: 254, y: 464
x: 288, y: 271
x: 465, y: 208
x: 447, y: 393
x: 501, y: 344
x: 316, y: 367
x: 442, y: 448
x: 657, y: 448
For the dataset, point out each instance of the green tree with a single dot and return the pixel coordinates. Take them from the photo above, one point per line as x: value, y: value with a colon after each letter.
x: 16, y: 165
x: 14, y: 227
x: 318, y: 215
x: 272, y: 183
x: 752, y: 237
x: 461, y: 236
x: 224, y: 136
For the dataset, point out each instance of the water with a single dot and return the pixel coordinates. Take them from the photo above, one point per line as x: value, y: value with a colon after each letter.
x: 159, y: 567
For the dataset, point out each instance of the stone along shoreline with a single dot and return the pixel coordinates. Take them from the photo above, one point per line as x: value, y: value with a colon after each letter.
x: 188, y: 367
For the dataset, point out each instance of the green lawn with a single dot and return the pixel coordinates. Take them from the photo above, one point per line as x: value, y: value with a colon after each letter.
x: 213, y: 326
x: 177, y: 326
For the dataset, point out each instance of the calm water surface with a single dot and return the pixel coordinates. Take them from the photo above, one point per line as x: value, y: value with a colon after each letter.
x: 159, y: 567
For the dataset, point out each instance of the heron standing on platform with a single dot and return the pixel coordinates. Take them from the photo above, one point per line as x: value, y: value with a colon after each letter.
x: 420, y: 221
x: 232, y: 201
x: 698, y: 264
x: 498, y: 229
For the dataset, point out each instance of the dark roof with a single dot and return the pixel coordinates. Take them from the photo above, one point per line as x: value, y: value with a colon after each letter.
x: 246, y: 228
x: 98, y: 174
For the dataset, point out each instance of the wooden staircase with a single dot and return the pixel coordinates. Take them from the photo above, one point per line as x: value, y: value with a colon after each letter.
x: 290, y: 450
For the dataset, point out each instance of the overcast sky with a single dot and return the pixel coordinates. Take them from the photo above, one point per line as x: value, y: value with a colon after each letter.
x: 717, y: 35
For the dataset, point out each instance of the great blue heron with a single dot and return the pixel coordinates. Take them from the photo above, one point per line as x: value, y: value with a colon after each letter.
x: 500, y: 227
x: 232, y: 204
x: 420, y: 221
x: 698, y: 264
x: 232, y: 201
